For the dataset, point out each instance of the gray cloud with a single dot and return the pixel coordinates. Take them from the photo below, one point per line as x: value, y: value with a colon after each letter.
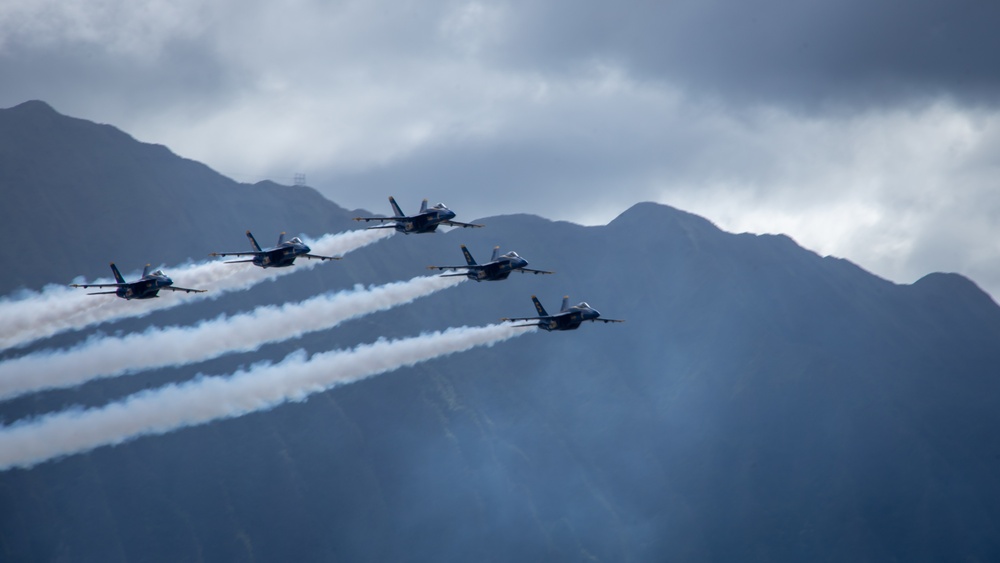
x: 809, y: 55
x: 868, y: 131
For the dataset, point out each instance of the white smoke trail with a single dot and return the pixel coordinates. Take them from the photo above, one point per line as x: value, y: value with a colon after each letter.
x: 57, y: 308
x: 174, y: 346
x: 203, y: 400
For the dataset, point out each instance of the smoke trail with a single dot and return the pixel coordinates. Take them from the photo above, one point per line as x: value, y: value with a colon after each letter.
x: 57, y: 308
x: 174, y: 346
x: 203, y: 400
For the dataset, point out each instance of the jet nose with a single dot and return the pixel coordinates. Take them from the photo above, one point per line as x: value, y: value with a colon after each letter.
x: 306, y: 249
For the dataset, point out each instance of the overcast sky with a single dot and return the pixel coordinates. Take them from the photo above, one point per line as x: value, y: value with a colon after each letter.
x: 868, y: 130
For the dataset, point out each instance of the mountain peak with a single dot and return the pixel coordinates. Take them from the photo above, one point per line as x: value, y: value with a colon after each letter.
x: 955, y: 287
x: 658, y: 212
x: 34, y: 107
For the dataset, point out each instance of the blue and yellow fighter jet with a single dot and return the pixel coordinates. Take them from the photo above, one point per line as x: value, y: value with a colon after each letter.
x: 568, y: 318
x: 282, y: 255
x: 498, y: 268
x: 427, y: 221
x: 145, y: 287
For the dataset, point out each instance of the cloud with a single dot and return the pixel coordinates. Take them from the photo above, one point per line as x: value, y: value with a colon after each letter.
x: 863, y: 130
x: 775, y: 51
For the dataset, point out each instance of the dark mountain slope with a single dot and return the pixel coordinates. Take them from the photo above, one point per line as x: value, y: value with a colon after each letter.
x: 761, y: 403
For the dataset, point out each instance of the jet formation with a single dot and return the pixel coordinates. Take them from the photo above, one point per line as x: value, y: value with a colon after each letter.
x: 284, y: 253
x: 146, y: 287
x: 281, y: 255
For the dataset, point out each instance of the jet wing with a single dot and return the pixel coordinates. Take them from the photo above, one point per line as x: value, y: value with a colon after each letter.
x: 530, y: 271
x: 317, y: 257
x: 538, y: 321
x: 389, y: 226
x: 237, y: 253
x: 99, y: 285
x: 457, y: 224
x: 456, y: 268
x: 607, y: 320
x: 381, y: 219
x: 184, y: 289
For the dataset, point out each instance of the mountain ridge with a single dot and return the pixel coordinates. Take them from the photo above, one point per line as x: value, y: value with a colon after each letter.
x: 760, y: 402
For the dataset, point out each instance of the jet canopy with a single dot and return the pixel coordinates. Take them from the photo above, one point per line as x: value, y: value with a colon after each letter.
x: 584, y: 305
x: 511, y: 254
x: 295, y: 240
x: 158, y: 273
x: 441, y: 206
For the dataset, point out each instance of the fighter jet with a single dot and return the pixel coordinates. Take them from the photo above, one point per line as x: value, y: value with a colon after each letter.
x: 498, y: 268
x: 426, y: 221
x: 568, y: 318
x: 145, y: 287
x: 282, y: 255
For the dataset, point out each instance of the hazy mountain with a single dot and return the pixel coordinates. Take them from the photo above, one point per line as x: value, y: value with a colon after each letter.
x: 761, y: 403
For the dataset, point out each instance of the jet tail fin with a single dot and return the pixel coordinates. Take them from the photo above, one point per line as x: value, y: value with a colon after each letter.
x: 281, y: 238
x: 118, y: 275
x: 145, y: 270
x: 423, y: 205
x: 253, y: 242
x: 395, y: 207
x: 496, y: 254
x: 468, y: 256
x: 538, y: 307
x: 565, y: 303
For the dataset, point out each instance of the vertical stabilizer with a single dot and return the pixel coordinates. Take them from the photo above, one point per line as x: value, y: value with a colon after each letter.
x: 145, y: 270
x: 423, y: 206
x: 565, y: 303
x: 538, y: 307
x: 253, y: 242
x: 281, y: 238
x: 118, y: 275
x: 496, y: 254
x: 395, y: 208
x: 468, y: 256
